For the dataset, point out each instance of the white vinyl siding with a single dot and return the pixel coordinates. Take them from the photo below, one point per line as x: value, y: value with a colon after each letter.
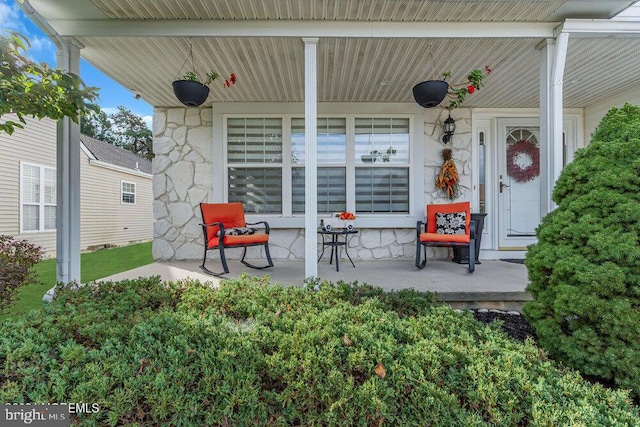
x: 265, y: 164
x: 128, y: 192
x: 38, y: 198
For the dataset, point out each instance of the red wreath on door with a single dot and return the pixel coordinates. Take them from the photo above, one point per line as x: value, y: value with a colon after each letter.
x: 529, y: 149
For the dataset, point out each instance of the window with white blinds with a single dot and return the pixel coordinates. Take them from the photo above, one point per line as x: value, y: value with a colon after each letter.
x: 332, y: 141
x: 38, y: 197
x: 260, y: 189
x: 382, y: 165
x: 332, y: 190
x: 254, y: 140
x: 251, y: 144
x: 266, y: 155
x: 332, y: 150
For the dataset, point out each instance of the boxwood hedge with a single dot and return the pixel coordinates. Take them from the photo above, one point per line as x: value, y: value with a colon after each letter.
x: 254, y: 353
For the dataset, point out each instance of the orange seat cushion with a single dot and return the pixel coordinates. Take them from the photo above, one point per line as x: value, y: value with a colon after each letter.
x: 444, y: 238
x: 250, y: 239
x: 231, y: 215
x: 447, y: 208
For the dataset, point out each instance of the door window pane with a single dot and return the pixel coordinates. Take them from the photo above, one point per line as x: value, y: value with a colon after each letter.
x: 523, y: 194
x: 260, y: 189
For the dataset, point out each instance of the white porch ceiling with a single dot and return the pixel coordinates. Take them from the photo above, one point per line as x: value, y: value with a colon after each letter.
x: 350, y: 68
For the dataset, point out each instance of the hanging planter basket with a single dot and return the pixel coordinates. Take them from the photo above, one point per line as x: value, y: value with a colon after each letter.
x: 430, y: 94
x: 190, y: 93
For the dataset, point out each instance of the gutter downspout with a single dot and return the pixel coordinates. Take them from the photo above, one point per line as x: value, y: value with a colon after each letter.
x: 67, y: 160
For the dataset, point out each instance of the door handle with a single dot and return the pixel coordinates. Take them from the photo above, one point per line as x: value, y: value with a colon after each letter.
x: 503, y: 185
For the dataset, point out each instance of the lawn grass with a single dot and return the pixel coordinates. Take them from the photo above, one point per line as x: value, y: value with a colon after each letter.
x: 93, y: 266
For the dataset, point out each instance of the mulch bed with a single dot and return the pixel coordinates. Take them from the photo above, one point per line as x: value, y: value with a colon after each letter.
x: 515, y: 326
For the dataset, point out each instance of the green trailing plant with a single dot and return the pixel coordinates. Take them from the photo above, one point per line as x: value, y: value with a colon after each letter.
x: 458, y: 92
x: 209, y: 78
x: 584, y: 270
x: 31, y: 89
x: 252, y: 353
x: 16, y: 259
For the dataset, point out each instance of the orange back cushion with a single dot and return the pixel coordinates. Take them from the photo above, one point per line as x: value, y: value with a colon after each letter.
x: 446, y: 208
x: 229, y: 214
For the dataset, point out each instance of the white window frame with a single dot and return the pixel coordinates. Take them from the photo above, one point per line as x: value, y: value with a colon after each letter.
x: 349, y: 111
x: 41, y: 204
x: 122, y: 193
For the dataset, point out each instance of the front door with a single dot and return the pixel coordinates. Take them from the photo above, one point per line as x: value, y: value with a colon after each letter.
x: 518, y: 182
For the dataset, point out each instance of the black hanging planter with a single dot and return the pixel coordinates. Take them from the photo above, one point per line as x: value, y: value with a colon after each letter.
x: 190, y: 93
x: 430, y: 94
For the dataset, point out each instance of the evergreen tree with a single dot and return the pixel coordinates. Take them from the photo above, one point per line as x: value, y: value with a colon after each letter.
x: 584, y: 271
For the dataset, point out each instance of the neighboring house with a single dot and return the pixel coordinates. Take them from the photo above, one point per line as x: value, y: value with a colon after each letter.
x: 351, y: 64
x: 116, y: 196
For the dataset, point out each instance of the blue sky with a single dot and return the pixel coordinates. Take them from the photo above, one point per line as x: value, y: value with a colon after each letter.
x: 42, y: 49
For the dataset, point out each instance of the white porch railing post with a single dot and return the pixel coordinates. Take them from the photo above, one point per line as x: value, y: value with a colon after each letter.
x: 68, y: 179
x: 311, y: 156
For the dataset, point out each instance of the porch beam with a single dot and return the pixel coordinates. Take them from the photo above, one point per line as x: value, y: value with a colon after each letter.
x: 597, y: 28
x: 299, y: 28
x: 311, y: 156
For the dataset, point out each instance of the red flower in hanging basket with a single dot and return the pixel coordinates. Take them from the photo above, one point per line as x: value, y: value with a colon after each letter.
x: 459, y: 92
x: 516, y: 151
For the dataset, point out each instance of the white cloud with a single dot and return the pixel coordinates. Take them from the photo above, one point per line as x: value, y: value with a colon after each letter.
x: 43, y: 49
x: 109, y: 110
x: 149, y: 121
x: 10, y: 17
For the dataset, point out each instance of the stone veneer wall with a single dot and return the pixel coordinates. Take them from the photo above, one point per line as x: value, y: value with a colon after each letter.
x: 183, y: 178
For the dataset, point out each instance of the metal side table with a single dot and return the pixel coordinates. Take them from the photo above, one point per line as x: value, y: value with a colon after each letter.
x: 335, y: 243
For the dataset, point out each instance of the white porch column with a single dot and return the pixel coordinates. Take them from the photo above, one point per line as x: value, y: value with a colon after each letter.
x: 553, y: 53
x: 311, y: 157
x: 68, y: 179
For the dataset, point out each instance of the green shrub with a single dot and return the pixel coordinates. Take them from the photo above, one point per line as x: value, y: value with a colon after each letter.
x: 16, y: 259
x: 585, y: 269
x: 251, y: 353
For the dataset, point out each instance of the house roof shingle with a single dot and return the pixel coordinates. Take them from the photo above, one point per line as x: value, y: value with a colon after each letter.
x: 114, y: 155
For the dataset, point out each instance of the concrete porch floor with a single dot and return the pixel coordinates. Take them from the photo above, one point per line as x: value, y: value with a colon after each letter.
x: 494, y: 284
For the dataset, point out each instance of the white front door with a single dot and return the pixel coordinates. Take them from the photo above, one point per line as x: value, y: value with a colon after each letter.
x: 518, y: 182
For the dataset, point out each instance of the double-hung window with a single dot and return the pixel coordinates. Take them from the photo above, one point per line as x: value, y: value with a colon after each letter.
x: 254, y: 163
x: 128, y: 193
x: 382, y: 168
x: 363, y: 164
x: 332, y: 165
x: 38, y: 198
